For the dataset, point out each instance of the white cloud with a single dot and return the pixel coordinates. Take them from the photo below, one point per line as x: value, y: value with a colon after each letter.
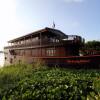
x: 74, y: 1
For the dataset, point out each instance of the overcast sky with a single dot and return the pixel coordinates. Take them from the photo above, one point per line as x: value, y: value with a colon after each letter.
x: 19, y: 17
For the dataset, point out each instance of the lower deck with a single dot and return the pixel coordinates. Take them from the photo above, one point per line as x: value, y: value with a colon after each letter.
x: 92, y: 61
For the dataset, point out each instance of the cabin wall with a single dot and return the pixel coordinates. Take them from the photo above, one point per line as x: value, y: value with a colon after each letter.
x: 27, y: 55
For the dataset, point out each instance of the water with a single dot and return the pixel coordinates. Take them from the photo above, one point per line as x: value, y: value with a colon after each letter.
x: 1, y: 59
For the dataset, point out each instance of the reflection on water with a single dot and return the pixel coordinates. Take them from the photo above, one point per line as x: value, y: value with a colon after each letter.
x: 1, y: 59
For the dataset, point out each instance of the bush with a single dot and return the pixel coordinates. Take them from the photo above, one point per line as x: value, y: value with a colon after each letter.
x: 27, y: 83
x: 11, y: 75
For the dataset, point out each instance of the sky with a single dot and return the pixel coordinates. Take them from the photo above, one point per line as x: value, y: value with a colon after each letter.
x: 73, y: 17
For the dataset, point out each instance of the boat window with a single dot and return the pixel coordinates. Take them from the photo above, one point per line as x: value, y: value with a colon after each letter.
x: 50, y: 52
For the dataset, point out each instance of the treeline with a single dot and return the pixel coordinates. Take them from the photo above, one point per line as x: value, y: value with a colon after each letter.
x: 91, y: 47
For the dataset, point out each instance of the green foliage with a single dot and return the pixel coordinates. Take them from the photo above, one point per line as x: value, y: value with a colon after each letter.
x: 94, y: 45
x: 22, y: 82
x: 11, y: 75
x: 90, y: 46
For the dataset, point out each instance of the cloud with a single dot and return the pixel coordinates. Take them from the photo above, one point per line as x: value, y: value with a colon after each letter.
x: 74, y: 1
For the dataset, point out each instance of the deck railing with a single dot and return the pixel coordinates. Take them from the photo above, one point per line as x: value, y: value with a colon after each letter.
x: 77, y: 40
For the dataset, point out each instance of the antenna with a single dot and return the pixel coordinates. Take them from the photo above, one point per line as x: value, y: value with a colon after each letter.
x: 53, y: 26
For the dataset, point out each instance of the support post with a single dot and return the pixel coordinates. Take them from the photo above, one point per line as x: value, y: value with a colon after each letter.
x: 40, y: 45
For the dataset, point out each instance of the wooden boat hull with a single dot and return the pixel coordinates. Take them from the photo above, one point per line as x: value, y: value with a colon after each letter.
x: 92, y: 61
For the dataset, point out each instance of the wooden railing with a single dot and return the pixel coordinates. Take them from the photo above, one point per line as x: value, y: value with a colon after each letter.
x: 44, y: 42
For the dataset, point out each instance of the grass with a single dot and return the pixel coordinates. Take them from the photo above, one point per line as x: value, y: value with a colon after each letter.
x: 23, y: 82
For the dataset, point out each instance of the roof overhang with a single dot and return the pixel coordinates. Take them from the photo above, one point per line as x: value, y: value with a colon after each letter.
x: 33, y: 34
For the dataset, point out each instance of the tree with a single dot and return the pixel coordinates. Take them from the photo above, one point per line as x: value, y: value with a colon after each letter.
x: 91, y: 47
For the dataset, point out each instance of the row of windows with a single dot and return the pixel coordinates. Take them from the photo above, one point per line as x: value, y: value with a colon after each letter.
x: 54, y: 40
x: 27, y: 41
x: 36, y: 52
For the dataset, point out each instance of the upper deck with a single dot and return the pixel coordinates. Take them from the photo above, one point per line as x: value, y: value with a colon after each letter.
x: 44, y: 37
